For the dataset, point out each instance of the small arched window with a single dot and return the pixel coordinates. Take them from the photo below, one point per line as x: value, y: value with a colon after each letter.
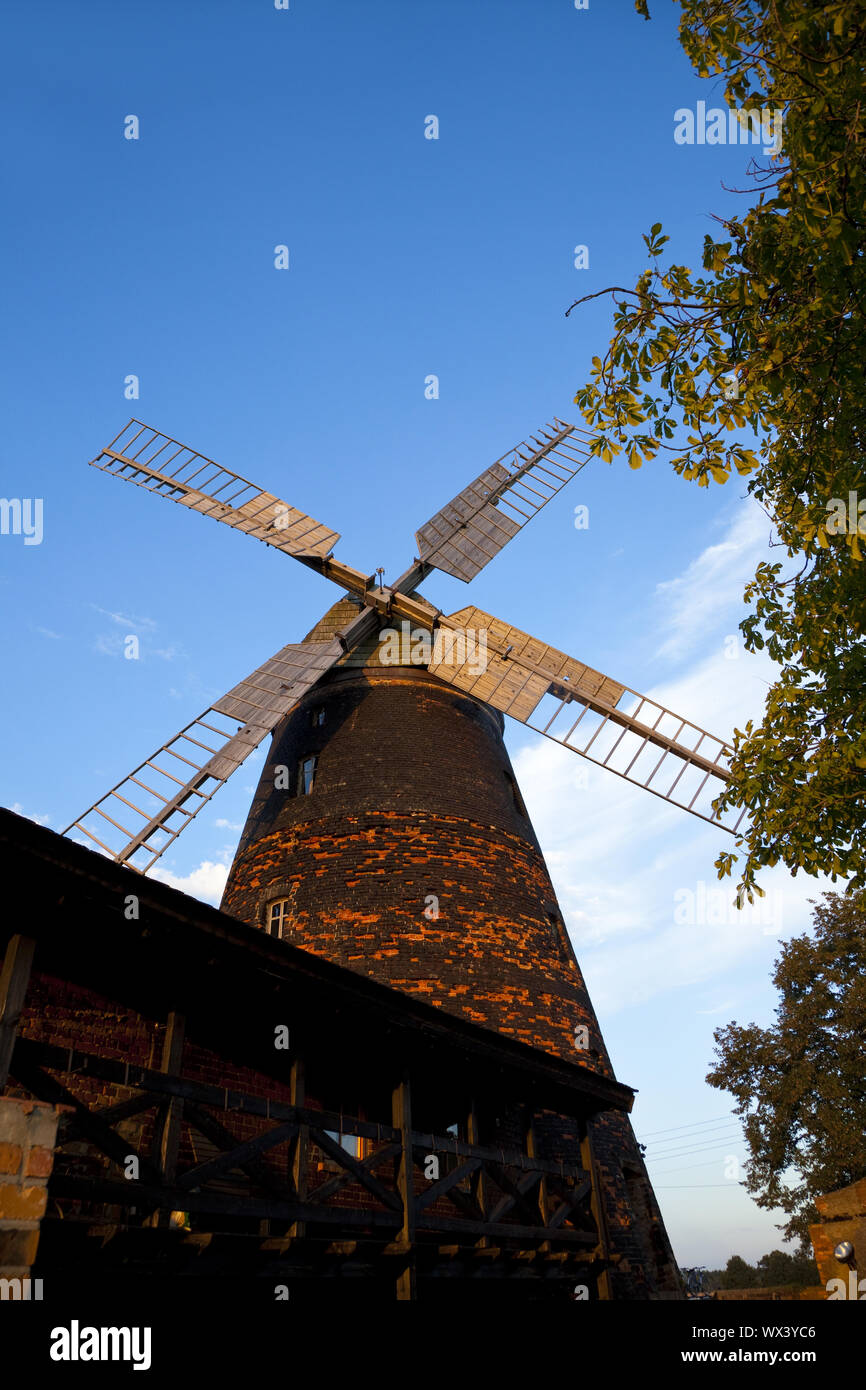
x: 307, y: 774
x: 277, y: 916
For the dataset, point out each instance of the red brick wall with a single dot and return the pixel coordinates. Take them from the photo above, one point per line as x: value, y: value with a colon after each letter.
x: 27, y: 1132
x: 67, y: 1015
x: 413, y: 798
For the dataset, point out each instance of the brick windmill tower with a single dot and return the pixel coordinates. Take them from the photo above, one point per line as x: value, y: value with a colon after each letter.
x: 388, y: 832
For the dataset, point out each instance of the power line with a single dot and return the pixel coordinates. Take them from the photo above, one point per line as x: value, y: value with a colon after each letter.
x: 688, y: 1168
x: 695, y: 1125
x: 691, y: 1186
x: 687, y: 1138
x: 695, y: 1143
x: 720, y: 1143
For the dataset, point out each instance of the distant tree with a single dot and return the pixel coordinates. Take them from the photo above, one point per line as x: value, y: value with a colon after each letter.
x: 800, y: 1085
x: 739, y: 1275
x: 771, y: 340
x: 780, y: 1267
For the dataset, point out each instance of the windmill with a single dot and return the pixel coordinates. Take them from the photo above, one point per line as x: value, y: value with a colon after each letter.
x: 387, y: 833
x: 552, y: 693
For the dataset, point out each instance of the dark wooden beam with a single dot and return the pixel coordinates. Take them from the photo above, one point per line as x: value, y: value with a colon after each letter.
x: 401, y: 1119
x: 217, y: 1133
x: 236, y: 1157
x: 109, y: 1114
x: 127, y: 1194
x: 517, y: 1193
x: 88, y: 1122
x: 433, y: 1222
x: 509, y: 1158
x: 532, y: 1153
x: 166, y: 1130
x: 478, y: 1183
x: 299, y: 1150
x: 14, y: 980
x: 443, y: 1187
x: 340, y: 1180
x: 355, y: 1169
x: 220, y: 1098
x: 597, y: 1204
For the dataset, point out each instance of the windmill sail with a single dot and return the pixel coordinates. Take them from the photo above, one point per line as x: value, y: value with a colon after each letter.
x: 475, y: 525
x: 141, y: 455
x: 182, y: 776
x: 585, y: 711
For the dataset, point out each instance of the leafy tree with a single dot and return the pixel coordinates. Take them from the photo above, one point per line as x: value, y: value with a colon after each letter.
x: 771, y: 339
x: 781, y: 1267
x: 738, y: 1275
x: 800, y: 1085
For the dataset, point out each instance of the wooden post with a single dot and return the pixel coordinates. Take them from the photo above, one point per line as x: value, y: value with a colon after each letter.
x: 13, y: 988
x: 401, y: 1119
x: 543, y: 1195
x: 299, y: 1146
x: 166, y: 1130
x: 597, y: 1205
x: 478, y: 1182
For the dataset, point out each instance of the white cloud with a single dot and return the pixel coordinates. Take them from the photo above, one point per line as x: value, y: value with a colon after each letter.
x: 18, y: 809
x: 46, y: 632
x: 619, y: 856
x: 713, y: 583
x: 126, y: 620
x: 206, y: 882
x: 224, y: 824
x: 108, y: 644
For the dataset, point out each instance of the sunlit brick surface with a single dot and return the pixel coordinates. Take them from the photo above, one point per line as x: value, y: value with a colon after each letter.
x: 413, y: 801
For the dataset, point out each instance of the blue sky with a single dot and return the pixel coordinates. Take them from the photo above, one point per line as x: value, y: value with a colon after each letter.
x: 408, y: 257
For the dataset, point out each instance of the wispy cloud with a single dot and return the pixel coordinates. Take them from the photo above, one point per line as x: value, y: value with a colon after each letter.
x: 108, y: 644
x: 127, y: 620
x: 713, y: 584
x: 619, y: 857
x: 19, y: 811
x: 228, y: 824
x: 46, y: 632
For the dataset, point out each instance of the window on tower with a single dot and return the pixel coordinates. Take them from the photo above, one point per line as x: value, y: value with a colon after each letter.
x: 307, y: 775
x: 277, y: 916
x: 317, y: 717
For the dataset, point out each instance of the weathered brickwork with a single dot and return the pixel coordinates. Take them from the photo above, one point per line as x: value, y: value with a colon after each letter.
x: 842, y: 1217
x: 27, y: 1133
x: 372, y: 849
x: 413, y: 860
x: 68, y: 1015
